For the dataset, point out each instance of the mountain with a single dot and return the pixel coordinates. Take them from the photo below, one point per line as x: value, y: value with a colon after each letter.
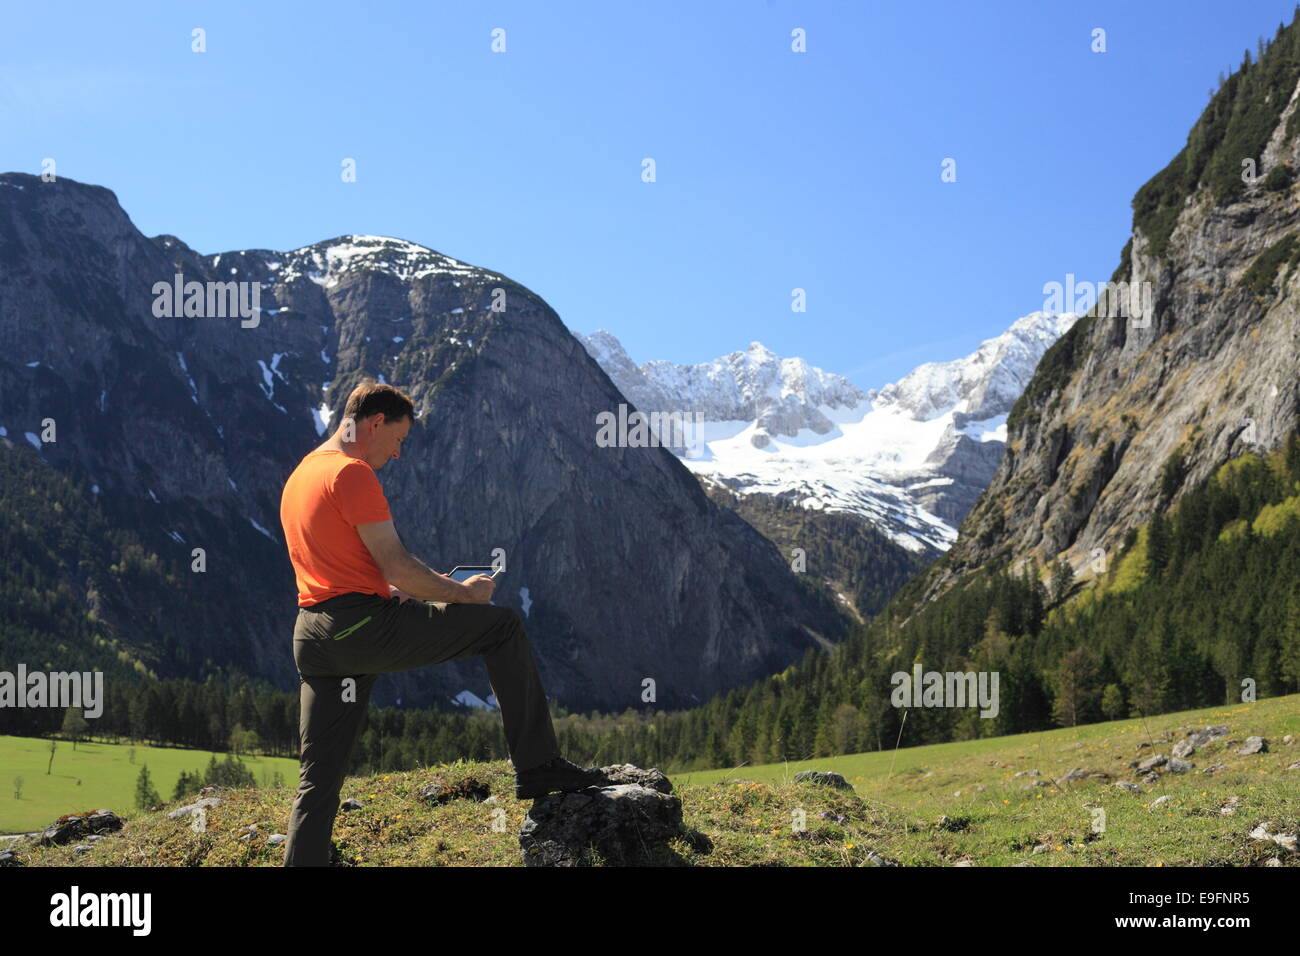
x: 911, y: 458
x: 175, y: 432
x: 1132, y: 407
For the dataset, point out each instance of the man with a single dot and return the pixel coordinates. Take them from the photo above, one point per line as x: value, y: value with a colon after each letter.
x: 363, y: 611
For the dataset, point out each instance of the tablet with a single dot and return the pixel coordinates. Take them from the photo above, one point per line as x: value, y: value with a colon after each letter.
x: 464, y: 572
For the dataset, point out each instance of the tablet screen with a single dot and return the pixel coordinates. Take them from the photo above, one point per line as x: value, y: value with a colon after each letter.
x: 465, y: 572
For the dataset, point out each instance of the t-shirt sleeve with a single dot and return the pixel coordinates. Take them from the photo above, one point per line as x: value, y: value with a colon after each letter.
x: 359, y: 495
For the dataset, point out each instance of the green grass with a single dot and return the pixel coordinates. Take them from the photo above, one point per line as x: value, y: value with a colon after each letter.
x: 98, y: 774
x: 919, y: 807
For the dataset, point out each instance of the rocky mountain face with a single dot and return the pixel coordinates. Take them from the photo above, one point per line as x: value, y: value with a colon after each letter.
x: 1133, y: 405
x: 910, y: 458
x: 184, y: 427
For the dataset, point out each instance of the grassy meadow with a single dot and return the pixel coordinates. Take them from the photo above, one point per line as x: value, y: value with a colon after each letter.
x: 974, y: 802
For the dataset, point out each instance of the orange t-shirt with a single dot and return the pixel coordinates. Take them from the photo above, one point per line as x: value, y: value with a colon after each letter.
x: 325, y: 498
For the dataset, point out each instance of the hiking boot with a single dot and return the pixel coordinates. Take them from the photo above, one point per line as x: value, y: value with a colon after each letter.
x: 557, y: 775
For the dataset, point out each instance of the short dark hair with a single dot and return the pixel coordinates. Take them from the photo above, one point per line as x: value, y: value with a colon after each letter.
x: 370, y: 397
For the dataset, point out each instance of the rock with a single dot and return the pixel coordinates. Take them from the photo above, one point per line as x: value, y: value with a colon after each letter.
x: 275, y: 839
x: 351, y: 803
x: 76, y: 826
x: 9, y: 858
x: 1215, y: 768
x: 624, y: 822
x: 81, y: 848
x: 212, y: 790
x: 1261, y: 832
x: 653, y: 779
x: 1294, y: 766
x: 1146, y: 766
x: 1078, y: 773
x: 1028, y: 773
x: 875, y: 859
x: 1253, y: 745
x: 207, y: 803
x: 248, y: 833
x: 1184, y: 748
x: 1178, y: 766
x: 1130, y: 787
x: 440, y: 792
x: 1288, y: 739
x: 1160, y: 800
x: 1041, y: 848
x: 1273, y: 861
x: 964, y: 863
x: 1199, y: 738
x: 1151, y: 779
x: 979, y: 788
x: 1229, y: 806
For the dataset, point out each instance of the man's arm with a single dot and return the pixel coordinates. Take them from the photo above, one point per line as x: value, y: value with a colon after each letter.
x: 408, y: 572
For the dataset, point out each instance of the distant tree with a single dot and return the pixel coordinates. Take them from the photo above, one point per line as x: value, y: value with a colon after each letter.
x: 74, y: 725
x: 18, y: 788
x: 145, y: 794
x: 1112, y: 702
x: 1158, y: 541
x: 50, y: 765
x: 1062, y: 580
x: 1074, y: 685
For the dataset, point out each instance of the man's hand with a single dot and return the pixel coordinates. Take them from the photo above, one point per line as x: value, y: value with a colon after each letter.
x: 480, y: 587
x: 395, y: 591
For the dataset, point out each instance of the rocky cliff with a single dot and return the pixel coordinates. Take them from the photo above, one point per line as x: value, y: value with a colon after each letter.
x: 182, y: 429
x: 1133, y: 405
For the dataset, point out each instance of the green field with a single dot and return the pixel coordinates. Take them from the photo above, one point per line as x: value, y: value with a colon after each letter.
x: 922, y: 806
x: 96, y: 775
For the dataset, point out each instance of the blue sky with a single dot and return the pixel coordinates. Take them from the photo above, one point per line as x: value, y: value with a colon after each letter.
x: 775, y: 170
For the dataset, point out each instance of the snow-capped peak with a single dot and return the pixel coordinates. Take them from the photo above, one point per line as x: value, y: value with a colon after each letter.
x: 325, y: 263
x: 911, y: 457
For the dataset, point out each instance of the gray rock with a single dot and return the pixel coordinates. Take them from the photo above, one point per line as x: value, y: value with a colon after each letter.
x: 1130, y: 787
x: 1158, y: 801
x: 1261, y: 832
x: 1294, y: 766
x: 9, y: 858
x: 1184, y: 748
x: 1199, y: 738
x: 1178, y: 766
x: 81, y: 848
x: 275, y: 839
x: 351, y: 803
x: 1079, y: 773
x: 1146, y: 766
x: 77, y: 826
x: 653, y: 779
x: 1215, y: 768
x: 1253, y: 745
x: 875, y: 859
x: 625, y: 823
x: 207, y: 803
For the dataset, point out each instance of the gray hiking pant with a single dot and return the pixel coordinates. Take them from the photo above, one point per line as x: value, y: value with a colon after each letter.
x: 343, y: 644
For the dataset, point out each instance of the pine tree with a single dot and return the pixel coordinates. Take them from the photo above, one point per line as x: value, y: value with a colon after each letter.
x: 145, y: 794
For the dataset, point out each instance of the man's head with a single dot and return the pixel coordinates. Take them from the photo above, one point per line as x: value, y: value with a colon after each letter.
x: 381, y: 417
